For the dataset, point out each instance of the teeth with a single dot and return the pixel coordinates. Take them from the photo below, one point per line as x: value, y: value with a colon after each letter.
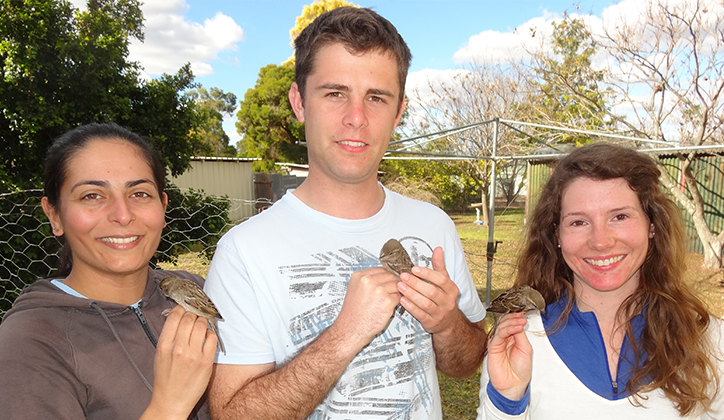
x: 601, y: 263
x: 352, y: 143
x: 120, y: 240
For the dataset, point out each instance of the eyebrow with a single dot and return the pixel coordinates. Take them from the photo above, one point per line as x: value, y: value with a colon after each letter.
x: 580, y: 213
x: 345, y: 88
x: 105, y: 184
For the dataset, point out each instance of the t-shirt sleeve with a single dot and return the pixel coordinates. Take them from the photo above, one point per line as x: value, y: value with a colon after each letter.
x: 242, y: 328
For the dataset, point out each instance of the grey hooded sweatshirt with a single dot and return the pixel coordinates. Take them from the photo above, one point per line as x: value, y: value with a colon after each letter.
x: 65, y: 357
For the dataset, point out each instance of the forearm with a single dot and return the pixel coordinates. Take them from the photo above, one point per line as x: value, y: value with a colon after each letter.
x: 293, y: 390
x: 460, y: 349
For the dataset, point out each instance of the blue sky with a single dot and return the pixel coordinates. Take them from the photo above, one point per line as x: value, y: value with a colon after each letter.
x: 228, y: 41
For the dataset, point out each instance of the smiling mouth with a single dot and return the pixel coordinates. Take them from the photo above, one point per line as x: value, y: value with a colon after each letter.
x: 121, y: 240
x: 352, y: 143
x: 603, y: 263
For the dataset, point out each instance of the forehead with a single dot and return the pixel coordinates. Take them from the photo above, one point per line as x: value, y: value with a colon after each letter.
x: 335, y: 60
x: 592, y: 194
x: 101, y: 158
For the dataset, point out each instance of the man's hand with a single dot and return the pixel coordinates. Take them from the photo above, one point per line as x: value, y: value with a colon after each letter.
x: 371, y: 298
x: 430, y: 295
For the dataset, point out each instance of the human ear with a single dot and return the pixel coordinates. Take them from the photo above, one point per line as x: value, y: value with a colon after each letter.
x: 295, y: 99
x: 53, y: 216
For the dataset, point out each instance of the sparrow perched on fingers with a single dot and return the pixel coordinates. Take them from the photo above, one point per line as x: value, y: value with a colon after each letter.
x: 396, y: 260
x: 518, y: 299
x: 193, y: 299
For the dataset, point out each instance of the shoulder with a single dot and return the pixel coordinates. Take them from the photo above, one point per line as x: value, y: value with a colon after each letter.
x: 399, y: 202
x: 158, y: 275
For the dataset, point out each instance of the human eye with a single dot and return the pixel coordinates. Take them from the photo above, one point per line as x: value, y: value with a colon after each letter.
x: 90, y: 196
x: 141, y: 194
x: 621, y: 217
x: 376, y: 99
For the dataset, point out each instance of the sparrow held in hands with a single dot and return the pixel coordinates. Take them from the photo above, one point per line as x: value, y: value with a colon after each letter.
x: 518, y: 299
x: 394, y: 258
x: 193, y: 299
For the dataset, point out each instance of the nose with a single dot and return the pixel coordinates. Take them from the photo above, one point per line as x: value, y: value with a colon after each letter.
x: 121, y: 212
x: 356, y: 114
x: 602, y: 236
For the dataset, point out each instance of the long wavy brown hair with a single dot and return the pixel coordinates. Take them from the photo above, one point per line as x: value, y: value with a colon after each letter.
x: 678, y: 350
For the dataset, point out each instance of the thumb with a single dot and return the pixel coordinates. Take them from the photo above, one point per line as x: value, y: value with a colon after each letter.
x: 438, y: 261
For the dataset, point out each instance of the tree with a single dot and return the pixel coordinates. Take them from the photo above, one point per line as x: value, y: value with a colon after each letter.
x: 63, y: 68
x: 667, y: 69
x: 212, y: 105
x: 265, y: 120
x: 473, y: 95
x: 566, y: 89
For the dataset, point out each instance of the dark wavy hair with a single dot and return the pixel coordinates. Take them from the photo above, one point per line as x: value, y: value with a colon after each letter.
x: 68, y: 145
x: 675, y: 341
x: 360, y: 30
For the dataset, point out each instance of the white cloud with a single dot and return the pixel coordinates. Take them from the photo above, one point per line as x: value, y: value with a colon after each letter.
x: 495, y: 46
x: 171, y: 40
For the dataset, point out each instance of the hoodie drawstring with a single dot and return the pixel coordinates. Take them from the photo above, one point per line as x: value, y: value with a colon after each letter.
x: 118, y: 339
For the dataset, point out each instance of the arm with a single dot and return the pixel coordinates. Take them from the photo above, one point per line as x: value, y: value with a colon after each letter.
x: 182, y: 367
x: 293, y: 391
x: 431, y: 297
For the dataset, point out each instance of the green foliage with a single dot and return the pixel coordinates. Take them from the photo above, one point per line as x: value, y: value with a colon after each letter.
x: 267, y: 122
x: 452, y: 188
x: 211, y: 106
x: 569, y: 85
x: 195, y: 221
x: 62, y: 68
x: 160, y: 112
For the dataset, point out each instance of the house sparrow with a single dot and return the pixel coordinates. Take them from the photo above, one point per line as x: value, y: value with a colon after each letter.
x: 193, y: 299
x: 518, y: 299
x: 396, y: 260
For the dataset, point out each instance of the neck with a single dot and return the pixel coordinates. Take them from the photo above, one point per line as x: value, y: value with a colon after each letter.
x: 604, y: 305
x: 123, y: 289
x: 346, y: 201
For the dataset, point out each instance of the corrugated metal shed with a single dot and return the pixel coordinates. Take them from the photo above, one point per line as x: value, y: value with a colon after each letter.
x: 220, y: 176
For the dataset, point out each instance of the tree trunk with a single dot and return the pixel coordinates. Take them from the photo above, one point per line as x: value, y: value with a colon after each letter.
x: 712, y: 254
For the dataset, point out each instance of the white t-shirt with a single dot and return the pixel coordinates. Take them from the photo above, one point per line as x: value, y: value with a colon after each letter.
x: 280, y: 278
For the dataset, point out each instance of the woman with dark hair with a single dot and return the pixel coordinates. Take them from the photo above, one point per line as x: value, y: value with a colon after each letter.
x: 621, y: 336
x: 92, y: 341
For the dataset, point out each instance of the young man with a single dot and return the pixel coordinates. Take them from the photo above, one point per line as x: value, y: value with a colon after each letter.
x: 311, y: 320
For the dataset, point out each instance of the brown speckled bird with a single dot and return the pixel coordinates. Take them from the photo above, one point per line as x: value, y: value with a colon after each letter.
x: 396, y: 260
x: 193, y: 299
x: 518, y: 299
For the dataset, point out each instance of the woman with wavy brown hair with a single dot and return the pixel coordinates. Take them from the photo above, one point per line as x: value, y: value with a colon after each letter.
x: 621, y: 334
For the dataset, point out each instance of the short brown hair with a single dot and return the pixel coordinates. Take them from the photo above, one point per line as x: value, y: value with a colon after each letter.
x: 360, y: 30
